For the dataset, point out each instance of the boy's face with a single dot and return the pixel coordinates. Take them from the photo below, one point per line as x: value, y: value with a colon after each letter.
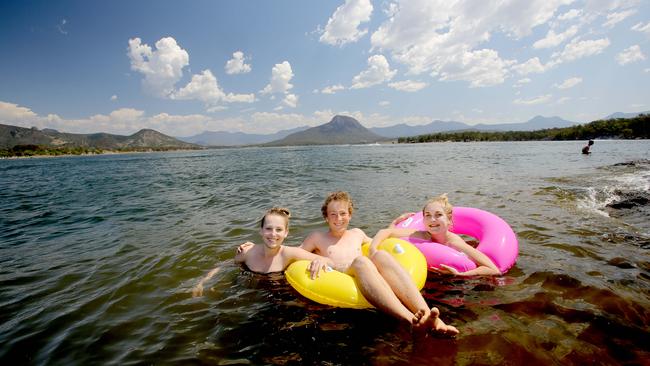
x: 338, y: 215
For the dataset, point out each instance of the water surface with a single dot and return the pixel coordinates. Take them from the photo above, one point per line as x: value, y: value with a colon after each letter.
x: 99, y: 254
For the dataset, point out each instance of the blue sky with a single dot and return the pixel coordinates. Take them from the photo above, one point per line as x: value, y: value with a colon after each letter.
x: 261, y: 66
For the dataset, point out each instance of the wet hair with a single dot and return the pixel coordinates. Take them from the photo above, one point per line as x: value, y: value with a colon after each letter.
x: 280, y: 211
x: 443, y: 200
x: 337, y: 196
x: 591, y: 142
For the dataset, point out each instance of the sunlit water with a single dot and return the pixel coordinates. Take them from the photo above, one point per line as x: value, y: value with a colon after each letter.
x: 99, y: 254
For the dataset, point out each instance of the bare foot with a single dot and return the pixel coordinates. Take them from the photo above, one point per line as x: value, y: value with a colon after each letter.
x: 430, y: 320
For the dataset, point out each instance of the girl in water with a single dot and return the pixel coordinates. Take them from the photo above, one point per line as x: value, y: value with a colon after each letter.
x: 437, y: 220
x: 271, y: 256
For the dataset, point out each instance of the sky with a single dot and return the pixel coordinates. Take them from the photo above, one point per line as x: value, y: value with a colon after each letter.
x: 184, y: 67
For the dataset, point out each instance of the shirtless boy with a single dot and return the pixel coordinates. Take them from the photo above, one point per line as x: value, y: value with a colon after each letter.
x: 381, y: 279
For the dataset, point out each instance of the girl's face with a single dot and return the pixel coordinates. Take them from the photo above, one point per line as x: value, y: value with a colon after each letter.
x: 338, y: 215
x: 435, y: 219
x: 274, y: 231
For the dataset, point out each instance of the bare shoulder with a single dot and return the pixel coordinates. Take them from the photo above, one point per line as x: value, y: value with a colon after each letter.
x: 360, y: 233
x: 456, y: 241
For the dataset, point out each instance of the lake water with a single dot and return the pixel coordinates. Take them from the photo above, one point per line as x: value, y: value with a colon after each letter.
x: 99, y: 254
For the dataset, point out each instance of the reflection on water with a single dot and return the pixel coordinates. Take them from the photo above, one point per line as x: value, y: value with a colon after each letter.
x: 98, y: 255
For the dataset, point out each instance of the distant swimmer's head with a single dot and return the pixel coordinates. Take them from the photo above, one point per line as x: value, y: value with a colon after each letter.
x: 277, y: 211
x: 591, y: 142
x: 339, y: 196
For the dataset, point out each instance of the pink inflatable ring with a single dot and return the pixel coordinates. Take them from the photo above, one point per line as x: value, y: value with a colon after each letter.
x: 496, y: 240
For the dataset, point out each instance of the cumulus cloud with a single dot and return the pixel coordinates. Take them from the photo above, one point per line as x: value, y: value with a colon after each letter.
x: 532, y: 66
x: 384, y: 103
x: 204, y: 87
x: 630, y: 55
x: 533, y: 101
x: 614, y: 18
x: 343, y: 26
x: 11, y: 113
x: 577, y: 49
x: 332, y: 89
x: 162, y: 67
x: 519, y: 83
x: 643, y: 28
x: 444, y: 38
x: 281, y: 75
x: 408, y: 85
x: 237, y: 64
x: 569, y: 83
x: 378, y: 72
x: 571, y: 14
x: 290, y: 100
x: 113, y: 97
x: 552, y: 39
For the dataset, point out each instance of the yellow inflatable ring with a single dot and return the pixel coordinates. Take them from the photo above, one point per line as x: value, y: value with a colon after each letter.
x: 340, y: 289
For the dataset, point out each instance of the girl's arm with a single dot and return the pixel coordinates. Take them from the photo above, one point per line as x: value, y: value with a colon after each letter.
x: 484, y: 265
x: 317, y: 262
x: 242, y: 251
x: 384, y: 234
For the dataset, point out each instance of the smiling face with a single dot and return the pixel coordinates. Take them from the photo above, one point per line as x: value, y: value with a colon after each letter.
x: 435, y: 219
x: 274, y: 230
x: 338, y: 215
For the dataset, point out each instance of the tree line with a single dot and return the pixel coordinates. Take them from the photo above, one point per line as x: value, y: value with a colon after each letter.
x: 41, y: 150
x: 619, y: 128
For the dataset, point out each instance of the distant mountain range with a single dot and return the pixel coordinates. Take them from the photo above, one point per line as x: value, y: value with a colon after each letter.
x: 11, y: 136
x: 222, y: 138
x: 340, y: 130
x: 400, y: 130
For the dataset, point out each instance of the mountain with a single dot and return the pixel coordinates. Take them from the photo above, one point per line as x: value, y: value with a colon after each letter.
x: 625, y: 115
x: 340, y: 130
x: 222, y: 138
x: 11, y: 136
x: 403, y: 129
x: 536, y: 123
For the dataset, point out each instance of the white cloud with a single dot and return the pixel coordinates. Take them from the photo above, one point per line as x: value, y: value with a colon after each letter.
x: 533, y: 101
x: 378, y: 72
x: 290, y: 100
x: 113, y: 97
x: 563, y: 100
x: 204, y: 87
x: 444, y: 38
x: 533, y: 65
x: 614, y: 18
x: 343, y: 26
x: 643, y: 28
x: 281, y: 76
x: 571, y: 14
x: 12, y: 113
x: 237, y: 64
x: 630, y: 54
x: 384, y: 103
x: 552, y: 39
x: 569, y: 83
x: 332, y: 89
x: 519, y: 83
x: 162, y: 67
x: 577, y: 49
x: 61, y: 25
x: 408, y: 85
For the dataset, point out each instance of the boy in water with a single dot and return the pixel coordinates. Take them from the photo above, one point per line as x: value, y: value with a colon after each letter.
x: 381, y: 279
x: 585, y: 149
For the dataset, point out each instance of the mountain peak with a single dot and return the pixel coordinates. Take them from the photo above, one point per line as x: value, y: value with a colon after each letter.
x: 340, y: 130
